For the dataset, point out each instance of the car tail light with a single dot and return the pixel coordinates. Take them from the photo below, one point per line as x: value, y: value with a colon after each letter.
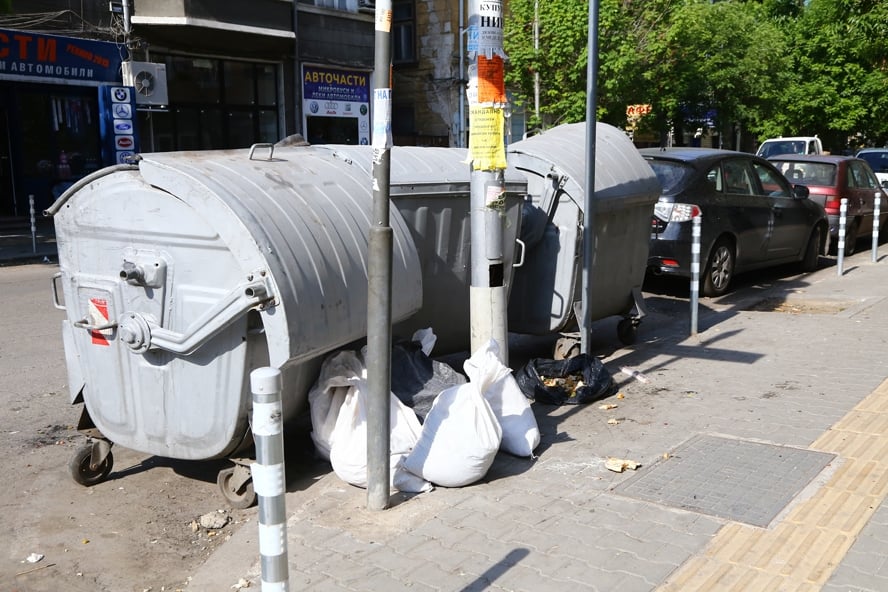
x: 668, y: 263
x: 676, y: 212
x: 832, y: 204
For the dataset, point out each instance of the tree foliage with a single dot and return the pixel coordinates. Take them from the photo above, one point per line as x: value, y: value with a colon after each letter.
x: 768, y: 67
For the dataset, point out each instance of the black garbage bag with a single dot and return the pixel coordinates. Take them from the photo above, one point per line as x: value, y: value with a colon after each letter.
x: 417, y: 379
x: 597, y: 381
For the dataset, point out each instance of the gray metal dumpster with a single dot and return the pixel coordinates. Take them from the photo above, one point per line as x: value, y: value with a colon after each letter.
x: 184, y: 272
x: 430, y: 187
x: 546, y: 293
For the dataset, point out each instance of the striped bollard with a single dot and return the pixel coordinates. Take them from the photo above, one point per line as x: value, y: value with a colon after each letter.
x: 696, y: 224
x: 876, y: 215
x: 33, y: 223
x: 269, y: 478
x: 843, y: 215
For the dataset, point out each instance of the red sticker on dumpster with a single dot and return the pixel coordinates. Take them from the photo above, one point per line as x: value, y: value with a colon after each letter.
x: 98, y: 315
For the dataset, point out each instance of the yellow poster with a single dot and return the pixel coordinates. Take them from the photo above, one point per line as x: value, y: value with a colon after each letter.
x: 487, y: 148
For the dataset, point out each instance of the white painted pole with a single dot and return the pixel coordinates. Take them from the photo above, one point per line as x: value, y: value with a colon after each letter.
x: 696, y: 224
x: 843, y: 215
x: 33, y: 224
x: 269, y: 478
x: 876, y: 215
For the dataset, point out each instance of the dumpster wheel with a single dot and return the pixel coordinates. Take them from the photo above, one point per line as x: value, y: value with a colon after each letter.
x: 86, y: 471
x: 236, y: 484
x: 627, y: 330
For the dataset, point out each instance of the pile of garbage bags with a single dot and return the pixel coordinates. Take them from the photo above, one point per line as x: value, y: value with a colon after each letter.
x: 445, y: 431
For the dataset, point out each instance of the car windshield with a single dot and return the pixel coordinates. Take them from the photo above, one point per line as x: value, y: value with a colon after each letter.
x: 786, y: 147
x: 670, y: 174
x: 878, y: 160
x: 807, y: 173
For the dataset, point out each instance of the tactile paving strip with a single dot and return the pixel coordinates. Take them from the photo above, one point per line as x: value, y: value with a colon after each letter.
x: 738, y: 480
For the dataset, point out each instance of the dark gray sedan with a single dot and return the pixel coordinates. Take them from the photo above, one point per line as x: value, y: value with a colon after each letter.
x: 752, y: 217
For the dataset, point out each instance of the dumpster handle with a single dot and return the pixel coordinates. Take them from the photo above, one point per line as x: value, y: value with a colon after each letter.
x: 140, y: 334
x: 84, y: 324
x: 521, y: 244
x: 55, y: 291
x: 263, y: 145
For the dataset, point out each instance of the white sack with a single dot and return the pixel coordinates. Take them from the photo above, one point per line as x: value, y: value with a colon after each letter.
x: 521, y: 435
x: 348, y: 439
x: 459, y: 440
x: 338, y: 374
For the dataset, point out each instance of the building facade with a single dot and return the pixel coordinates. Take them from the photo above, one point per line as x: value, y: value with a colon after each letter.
x: 214, y: 75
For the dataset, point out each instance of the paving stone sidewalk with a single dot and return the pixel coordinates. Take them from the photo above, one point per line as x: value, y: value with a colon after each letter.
x: 768, y: 376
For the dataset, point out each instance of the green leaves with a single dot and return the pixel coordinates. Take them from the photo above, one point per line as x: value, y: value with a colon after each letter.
x: 772, y: 66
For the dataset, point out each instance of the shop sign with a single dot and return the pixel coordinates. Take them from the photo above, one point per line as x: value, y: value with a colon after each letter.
x: 337, y: 92
x: 36, y: 57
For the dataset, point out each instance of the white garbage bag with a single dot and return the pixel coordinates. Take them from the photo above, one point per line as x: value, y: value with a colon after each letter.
x: 521, y: 434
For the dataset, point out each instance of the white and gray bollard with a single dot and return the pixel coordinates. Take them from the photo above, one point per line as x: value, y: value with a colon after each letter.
x: 843, y: 215
x: 33, y: 224
x: 269, y: 479
x: 696, y: 224
x: 876, y: 215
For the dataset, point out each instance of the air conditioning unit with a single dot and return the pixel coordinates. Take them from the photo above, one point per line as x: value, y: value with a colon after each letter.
x: 149, y: 80
x: 367, y: 5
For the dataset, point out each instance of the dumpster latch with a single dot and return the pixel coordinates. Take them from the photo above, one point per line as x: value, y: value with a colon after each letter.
x: 141, y: 333
x: 145, y: 271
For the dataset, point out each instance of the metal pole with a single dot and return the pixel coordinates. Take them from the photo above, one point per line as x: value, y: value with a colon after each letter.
x: 33, y: 223
x: 536, y: 55
x: 843, y: 215
x: 487, y: 152
x: 269, y: 478
x: 696, y: 225
x: 461, y: 124
x: 876, y: 215
x: 379, y: 272
x: 589, y: 205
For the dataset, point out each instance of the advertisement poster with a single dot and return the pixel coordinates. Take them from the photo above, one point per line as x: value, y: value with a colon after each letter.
x: 336, y: 105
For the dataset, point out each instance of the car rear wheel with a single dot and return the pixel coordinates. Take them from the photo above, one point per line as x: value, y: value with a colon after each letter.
x: 812, y: 252
x: 851, y: 238
x: 719, y: 269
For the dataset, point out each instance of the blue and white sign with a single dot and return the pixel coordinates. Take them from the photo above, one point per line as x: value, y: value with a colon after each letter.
x: 117, y: 125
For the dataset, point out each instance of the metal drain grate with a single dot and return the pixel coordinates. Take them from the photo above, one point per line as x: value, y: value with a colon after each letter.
x: 738, y: 480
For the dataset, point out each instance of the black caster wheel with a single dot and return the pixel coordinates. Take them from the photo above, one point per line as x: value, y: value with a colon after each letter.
x: 236, y: 489
x: 627, y: 331
x: 82, y: 470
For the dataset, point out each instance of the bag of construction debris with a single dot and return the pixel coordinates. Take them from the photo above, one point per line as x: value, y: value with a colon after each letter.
x: 573, y: 381
x: 459, y: 440
x: 521, y: 435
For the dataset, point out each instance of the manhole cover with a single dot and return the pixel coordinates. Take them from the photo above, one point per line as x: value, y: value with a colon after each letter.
x: 797, y: 306
x: 738, y: 480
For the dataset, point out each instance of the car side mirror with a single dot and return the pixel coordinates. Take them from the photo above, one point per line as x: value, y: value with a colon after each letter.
x: 801, y: 191
x: 885, y: 183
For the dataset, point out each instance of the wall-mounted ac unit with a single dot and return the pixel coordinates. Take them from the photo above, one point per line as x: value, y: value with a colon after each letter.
x: 149, y: 80
x: 367, y: 5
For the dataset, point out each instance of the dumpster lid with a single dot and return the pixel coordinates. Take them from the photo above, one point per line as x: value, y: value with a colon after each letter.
x: 621, y: 174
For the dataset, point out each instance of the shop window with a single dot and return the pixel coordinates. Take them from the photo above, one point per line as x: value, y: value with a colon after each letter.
x: 403, y: 32
x: 349, y: 5
x: 193, y: 80
x: 218, y: 104
x: 243, y: 91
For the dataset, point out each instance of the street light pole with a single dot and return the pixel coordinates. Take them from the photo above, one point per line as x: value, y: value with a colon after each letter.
x: 487, y: 152
x: 379, y: 273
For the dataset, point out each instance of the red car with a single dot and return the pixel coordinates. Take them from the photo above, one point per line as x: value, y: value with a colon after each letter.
x: 831, y: 178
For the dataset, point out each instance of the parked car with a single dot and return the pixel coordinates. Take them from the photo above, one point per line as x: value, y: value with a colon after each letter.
x: 793, y: 145
x: 752, y: 217
x: 829, y: 179
x: 877, y: 158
